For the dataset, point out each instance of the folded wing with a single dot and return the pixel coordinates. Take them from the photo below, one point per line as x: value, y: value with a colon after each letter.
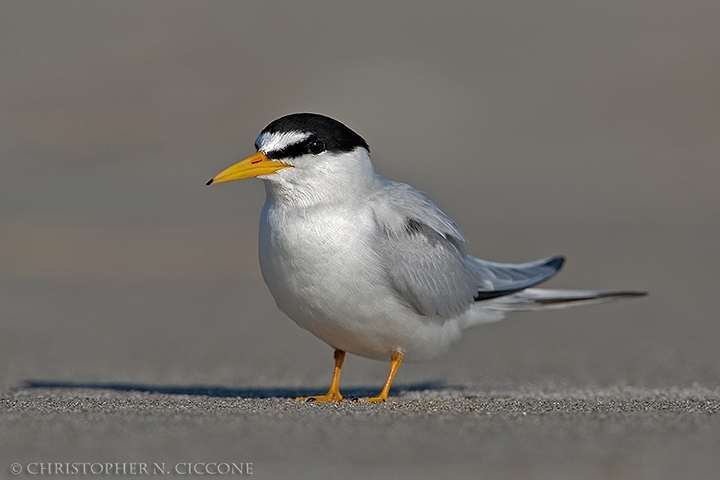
x: 423, y: 253
x: 500, y: 279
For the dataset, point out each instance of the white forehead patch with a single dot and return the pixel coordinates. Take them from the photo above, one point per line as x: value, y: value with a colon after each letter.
x: 272, y: 142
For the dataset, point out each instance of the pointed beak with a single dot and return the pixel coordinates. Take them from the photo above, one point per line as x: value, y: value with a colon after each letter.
x: 252, y: 166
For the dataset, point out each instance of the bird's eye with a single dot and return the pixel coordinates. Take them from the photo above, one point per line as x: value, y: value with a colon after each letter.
x: 316, y: 146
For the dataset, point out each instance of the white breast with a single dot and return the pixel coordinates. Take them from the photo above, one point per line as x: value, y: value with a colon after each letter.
x: 321, y: 269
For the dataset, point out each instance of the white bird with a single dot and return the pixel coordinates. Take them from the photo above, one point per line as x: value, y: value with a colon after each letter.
x: 369, y: 265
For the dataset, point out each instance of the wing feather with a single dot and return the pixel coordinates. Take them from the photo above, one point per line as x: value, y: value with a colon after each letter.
x: 422, y: 251
x: 424, y: 257
x: 500, y: 279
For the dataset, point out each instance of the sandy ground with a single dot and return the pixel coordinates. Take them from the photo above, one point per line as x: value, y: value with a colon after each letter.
x: 435, y: 433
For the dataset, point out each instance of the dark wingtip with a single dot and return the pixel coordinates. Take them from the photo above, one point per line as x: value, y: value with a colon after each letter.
x: 609, y: 295
x: 209, y: 182
x: 556, y: 262
x: 629, y: 293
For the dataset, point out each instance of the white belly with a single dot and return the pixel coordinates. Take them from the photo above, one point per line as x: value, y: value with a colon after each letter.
x: 324, y: 274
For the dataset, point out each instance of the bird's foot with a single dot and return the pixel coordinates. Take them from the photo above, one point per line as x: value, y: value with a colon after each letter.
x: 328, y: 397
x: 395, y: 361
x: 379, y: 399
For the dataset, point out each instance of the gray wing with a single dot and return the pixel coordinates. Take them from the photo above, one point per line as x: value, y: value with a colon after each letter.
x: 423, y: 253
x: 500, y: 279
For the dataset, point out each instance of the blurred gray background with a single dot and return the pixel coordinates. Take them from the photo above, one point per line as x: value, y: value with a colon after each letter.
x: 588, y: 129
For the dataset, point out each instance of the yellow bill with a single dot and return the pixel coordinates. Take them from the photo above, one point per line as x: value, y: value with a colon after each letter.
x: 252, y: 166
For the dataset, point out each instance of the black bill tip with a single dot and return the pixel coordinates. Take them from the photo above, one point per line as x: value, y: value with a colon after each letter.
x: 209, y: 182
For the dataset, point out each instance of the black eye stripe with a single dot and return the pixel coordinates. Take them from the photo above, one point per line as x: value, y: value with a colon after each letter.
x: 291, y: 151
x: 311, y: 146
x: 316, y: 146
x: 337, y: 137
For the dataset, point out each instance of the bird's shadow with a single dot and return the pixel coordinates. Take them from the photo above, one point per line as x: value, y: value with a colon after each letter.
x: 228, y: 392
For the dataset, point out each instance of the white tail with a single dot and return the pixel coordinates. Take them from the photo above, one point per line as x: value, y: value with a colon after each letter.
x: 542, y: 299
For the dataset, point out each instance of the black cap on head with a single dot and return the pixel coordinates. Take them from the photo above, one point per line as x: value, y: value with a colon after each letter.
x: 336, y: 137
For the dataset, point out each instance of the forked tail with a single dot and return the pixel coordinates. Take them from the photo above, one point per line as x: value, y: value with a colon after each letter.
x: 542, y: 299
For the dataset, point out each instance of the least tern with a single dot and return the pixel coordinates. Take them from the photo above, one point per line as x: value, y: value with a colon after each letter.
x: 369, y: 265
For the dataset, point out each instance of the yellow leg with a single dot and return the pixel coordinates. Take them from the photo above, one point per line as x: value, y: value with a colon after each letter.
x: 395, y: 361
x: 333, y: 394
